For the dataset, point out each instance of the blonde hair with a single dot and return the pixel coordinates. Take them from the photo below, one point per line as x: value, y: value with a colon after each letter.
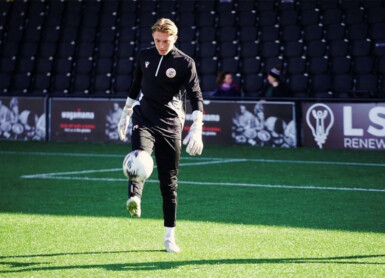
x: 165, y: 25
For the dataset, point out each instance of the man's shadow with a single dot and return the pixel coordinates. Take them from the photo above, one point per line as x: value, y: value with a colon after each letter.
x: 19, y: 267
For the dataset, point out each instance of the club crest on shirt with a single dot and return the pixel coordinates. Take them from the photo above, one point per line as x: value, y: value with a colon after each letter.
x: 171, y: 73
x: 146, y: 64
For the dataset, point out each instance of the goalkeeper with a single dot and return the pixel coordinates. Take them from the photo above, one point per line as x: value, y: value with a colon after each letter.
x: 164, y: 75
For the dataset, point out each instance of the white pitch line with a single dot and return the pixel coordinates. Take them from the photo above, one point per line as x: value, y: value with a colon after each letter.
x: 300, y: 187
x: 367, y: 164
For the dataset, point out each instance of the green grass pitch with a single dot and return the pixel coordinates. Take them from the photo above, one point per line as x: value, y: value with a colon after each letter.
x: 243, y: 212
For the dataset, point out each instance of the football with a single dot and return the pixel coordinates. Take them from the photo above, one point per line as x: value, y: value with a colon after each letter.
x: 138, y: 165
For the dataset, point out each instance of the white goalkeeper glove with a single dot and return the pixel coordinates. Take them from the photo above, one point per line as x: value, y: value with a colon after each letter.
x: 125, y: 118
x: 193, y: 140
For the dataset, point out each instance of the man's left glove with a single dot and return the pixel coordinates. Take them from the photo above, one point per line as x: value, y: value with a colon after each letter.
x: 193, y: 140
x: 125, y: 118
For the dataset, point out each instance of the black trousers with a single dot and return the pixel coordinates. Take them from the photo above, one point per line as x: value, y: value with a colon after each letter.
x: 167, y: 149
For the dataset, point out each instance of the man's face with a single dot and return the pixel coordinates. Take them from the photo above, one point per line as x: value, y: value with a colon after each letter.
x: 163, y: 42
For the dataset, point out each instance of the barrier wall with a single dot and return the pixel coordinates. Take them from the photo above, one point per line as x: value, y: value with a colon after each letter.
x: 249, y: 123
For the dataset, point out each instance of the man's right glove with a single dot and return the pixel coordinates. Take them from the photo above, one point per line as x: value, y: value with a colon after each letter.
x: 125, y: 119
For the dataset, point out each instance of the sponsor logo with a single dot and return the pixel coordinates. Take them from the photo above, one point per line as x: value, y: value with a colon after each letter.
x: 320, y: 119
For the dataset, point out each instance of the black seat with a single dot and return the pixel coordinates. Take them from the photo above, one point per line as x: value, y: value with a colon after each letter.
x: 251, y: 65
x: 316, y: 48
x: 340, y: 65
x: 291, y: 33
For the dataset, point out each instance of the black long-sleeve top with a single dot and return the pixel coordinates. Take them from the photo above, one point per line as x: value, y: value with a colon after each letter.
x: 164, y: 82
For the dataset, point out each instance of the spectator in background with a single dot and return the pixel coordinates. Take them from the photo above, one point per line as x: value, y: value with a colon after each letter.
x: 226, y: 86
x: 276, y: 87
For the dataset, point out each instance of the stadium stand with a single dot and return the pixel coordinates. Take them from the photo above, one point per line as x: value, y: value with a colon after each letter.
x: 327, y: 48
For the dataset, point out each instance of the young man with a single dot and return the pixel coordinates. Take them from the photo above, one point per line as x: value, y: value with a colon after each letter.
x: 164, y: 75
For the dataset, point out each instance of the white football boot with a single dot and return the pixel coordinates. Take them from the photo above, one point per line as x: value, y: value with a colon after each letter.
x: 171, y: 246
x: 133, y: 206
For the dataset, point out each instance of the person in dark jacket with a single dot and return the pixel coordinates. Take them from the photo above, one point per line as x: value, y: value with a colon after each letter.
x: 275, y: 87
x: 164, y: 75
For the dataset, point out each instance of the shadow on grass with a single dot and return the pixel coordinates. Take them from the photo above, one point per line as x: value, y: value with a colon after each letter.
x: 148, y: 266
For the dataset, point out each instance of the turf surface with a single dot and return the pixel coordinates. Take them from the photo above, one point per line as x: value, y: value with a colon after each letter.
x: 243, y: 212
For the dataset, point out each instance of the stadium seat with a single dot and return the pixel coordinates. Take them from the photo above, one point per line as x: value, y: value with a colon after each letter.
x: 104, y: 65
x: 252, y: 84
x: 102, y: 85
x: 227, y: 18
x: 354, y: 15
x: 321, y: 85
x: 84, y: 65
x: 127, y: 34
x: 249, y: 49
x: 309, y: 17
x: 288, y: 17
x: 363, y: 64
x: 375, y: 15
x: 318, y: 65
x: 379, y: 48
x: 188, y: 47
x: 44, y: 65
x: 313, y: 32
x: 357, y: 31
x: 61, y: 84
x: 361, y: 48
x: 230, y: 64
x: 228, y: 49
x: 85, y: 49
x: 299, y: 84
x: 247, y: 18
x: 331, y: 16
x: 296, y: 65
x: 227, y: 34
x: 340, y: 65
x: 267, y: 18
x: 270, y: 49
x: 205, y: 5
x: 205, y: 19
x: 367, y: 85
x: 248, y: 34
x: 335, y: 32
x: 63, y: 65
x: 269, y: 33
x: 207, y: 49
x: 381, y: 65
x: 208, y: 66
x: 291, y: 33
x: 21, y: 83
x: 339, y: 48
x: 106, y: 49
x: 316, y: 48
x: 207, y: 34
x: 5, y: 82
x: 25, y: 65
x: 186, y: 34
x: 377, y: 31
x: 208, y: 82
x: 293, y: 49
x: 342, y: 84
x: 251, y: 65
x: 7, y: 64
x: 122, y: 84
x: 125, y: 66
x: 87, y: 34
x: 82, y: 84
